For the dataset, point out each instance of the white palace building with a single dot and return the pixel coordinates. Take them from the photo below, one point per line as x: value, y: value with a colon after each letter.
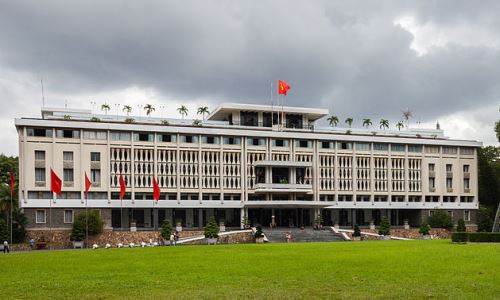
x: 244, y: 163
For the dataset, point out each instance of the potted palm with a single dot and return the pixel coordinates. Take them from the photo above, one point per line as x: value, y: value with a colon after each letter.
x: 424, y: 231
x: 212, y: 231
x: 259, y: 235
x: 385, y: 229
x: 356, y: 235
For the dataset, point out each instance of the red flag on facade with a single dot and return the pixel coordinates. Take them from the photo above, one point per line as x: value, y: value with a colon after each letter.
x: 283, y: 87
x: 88, y: 183
x: 122, y: 187
x: 156, y: 190
x: 12, y: 182
x: 55, y: 183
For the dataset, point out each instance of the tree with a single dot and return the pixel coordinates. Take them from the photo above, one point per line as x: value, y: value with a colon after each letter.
x: 497, y: 130
x: 488, y: 161
x: 4, y: 231
x: 212, y: 229
x: 385, y: 227
x: 333, y: 120
x: 94, y: 222
x: 19, y: 222
x: 461, y: 226
x: 440, y: 219
x: 258, y: 232
x: 105, y: 107
x: 367, y: 123
x: 484, y: 219
x: 384, y: 124
x: 400, y: 125
x: 166, y: 230
x: 183, y: 111
x: 356, y: 232
x: 349, y: 121
x: 127, y: 109
x: 202, y: 111
x: 78, y: 231
x: 149, y: 109
x: 407, y: 114
x: 424, y: 228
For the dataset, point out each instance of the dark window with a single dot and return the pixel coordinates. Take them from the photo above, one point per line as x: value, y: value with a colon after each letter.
x: 255, y: 142
x: 95, y: 156
x: 166, y: 138
x: 249, y: 118
x: 280, y: 143
x: 325, y: 145
x: 143, y: 137
x: 210, y: 140
x: 189, y: 139
x: 303, y: 144
x: 267, y: 120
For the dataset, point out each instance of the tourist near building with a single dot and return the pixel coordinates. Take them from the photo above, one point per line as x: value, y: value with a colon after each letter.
x: 261, y: 163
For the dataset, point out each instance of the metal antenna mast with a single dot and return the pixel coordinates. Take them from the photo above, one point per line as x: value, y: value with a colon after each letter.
x: 43, y: 96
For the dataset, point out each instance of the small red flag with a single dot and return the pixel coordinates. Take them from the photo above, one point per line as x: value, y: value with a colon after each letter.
x: 122, y: 187
x: 88, y: 183
x: 12, y: 182
x: 55, y: 183
x: 156, y: 190
x: 283, y: 87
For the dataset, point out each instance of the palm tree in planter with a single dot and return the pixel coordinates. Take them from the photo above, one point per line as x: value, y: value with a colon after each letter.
x: 385, y: 229
x: 349, y: 121
x: 400, y: 125
x: 105, y: 107
x: 127, y: 109
x: 367, y: 123
x: 259, y: 235
x: 149, y: 109
x: 424, y: 231
x: 384, y: 124
x: 212, y: 231
x: 183, y: 111
x: 333, y: 120
x: 202, y: 111
x: 356, y: 235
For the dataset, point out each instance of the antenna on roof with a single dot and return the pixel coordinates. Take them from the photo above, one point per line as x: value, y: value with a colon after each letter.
x: 43, y: 97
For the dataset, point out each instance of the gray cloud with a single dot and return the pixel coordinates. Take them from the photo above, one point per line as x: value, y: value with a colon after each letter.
x: 348, y: 56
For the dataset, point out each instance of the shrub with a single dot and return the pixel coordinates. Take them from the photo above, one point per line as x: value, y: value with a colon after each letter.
x: 166, y: 230
x: 78, y: 231
x: 484, y: 237
x: 484, y: 219
x: 258, y: 232
x: 95, y: 119
x: 461, y: 226
x: 4, y: 231
x: 459, y: 237
x: 165, y: 122
x: 94, y: 222
x: 212, y: 229
x: 356, y: 232
x: 197, y: 123
x: 129, y: 120
x: 424, y: 228
x: 385, y: 227
x: 19, y: 222
x: 440, y: 219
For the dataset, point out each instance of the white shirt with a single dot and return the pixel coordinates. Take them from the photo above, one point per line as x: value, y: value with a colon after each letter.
x: 5, y: 243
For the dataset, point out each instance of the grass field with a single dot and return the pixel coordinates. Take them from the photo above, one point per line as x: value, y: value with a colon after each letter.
x: 378, y: 269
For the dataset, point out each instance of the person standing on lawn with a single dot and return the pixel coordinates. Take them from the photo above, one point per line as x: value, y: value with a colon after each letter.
x: 6, y: 247
x: 172, y: 237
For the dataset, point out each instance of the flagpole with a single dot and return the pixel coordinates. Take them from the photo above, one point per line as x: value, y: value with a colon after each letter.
x: 50, y: 220
x: 11, y: 200
x: 86, y: 221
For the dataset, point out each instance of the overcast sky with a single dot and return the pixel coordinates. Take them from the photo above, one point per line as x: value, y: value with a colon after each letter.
x: 440, y: 59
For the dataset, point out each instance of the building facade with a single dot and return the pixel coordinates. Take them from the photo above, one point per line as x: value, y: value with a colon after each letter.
x: 246, y: 163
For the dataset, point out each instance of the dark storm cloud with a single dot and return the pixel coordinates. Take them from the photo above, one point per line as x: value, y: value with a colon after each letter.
x: 348, y: 56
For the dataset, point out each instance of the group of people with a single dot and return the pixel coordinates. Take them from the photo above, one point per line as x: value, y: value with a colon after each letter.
x: 174, y: 238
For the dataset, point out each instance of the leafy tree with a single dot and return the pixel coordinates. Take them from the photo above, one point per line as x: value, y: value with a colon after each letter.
x: 484, y: 219
x: 384, y: 124
x: 357, y: 231
x: 166, y: 230
x: 461, y: 226
x: 424, y: 228
x: 202, y: 111
x: 367, y: 123
x: 400, y: 125
x: 4, y: 231
x: 78, y: 232
x: 497, y: 130
x: 489, y: 176
x: 385, y: 227
x: 333, y: 120
x: 440, y: 219
x: 94, y: 222
x: 212, y: 229
x: 349, y: 121
x: 19, y: 223
x: 258, y: 232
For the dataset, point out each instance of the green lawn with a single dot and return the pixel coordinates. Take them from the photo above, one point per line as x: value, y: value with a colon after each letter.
x: 367, y: 270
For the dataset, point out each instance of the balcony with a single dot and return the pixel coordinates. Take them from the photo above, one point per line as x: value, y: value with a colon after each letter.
x: 283, y: 188
x: 449, y: 174
x: 263, y: 163
x: 432, y: 190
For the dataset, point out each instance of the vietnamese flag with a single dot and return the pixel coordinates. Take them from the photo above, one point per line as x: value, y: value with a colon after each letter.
x: 122, y: 187
x: 283, y: 87
x: 88, y: 183
x: 55, y: 183
x: 12, y: 182
x: 156, y: 190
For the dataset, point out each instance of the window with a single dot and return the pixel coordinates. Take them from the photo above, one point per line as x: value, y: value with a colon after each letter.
x: 68, y: 175
x: 210, y: 140
x: 40, y: 216
x: 304, y: 144
x: 39, y: 155
x: 363, y: 146
x: 144, y: 137
x: 466, y: 168
x: 380, y: 147
x: 449, y: 168
x: 431, y: 167
x: 68, y: 134
x: 432, y: 182
x: 166, y: 138
x: 95, y: 156
x: 68, y: 156
x: 449, y: 183
x: 40, y: 132
x: 189, y: 139
x: 94, y: 135
x: 431, y: 213
x: 249, y: 118
x: 40, y: 174
x: 232, y: 140
x: 326, y: 145
x: 431, y: 149
x: 345, y: 146
x: 466, y: 183
x: 39, y: 195
x: 467, y: 151
x: 449, y: 150
x: 466, y: 215
x: 120, y: 136
x: 256, y: 142
x: 95, y: 175
x: 280, y: 143
x: 415, y: 148
x: 398, y: 147
x: 68, y: 216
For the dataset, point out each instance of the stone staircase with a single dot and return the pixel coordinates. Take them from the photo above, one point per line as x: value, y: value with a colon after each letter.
x: 277, y: 235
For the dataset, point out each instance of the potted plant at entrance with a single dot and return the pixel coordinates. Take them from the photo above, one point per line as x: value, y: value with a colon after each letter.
x: 385, y: 229
x: 259, y: 235
x: 212, y: 231
x: 178, y: 225
x: 424, y: 231
x: 356, y: 235
x: 222, y: 225
x: 78, y: 233
x: 166, y: 231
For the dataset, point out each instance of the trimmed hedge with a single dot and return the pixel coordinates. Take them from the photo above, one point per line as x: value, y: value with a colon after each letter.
x: 476, y: 237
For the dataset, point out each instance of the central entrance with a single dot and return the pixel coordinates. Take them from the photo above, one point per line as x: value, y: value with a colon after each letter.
x: 283, y: 217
